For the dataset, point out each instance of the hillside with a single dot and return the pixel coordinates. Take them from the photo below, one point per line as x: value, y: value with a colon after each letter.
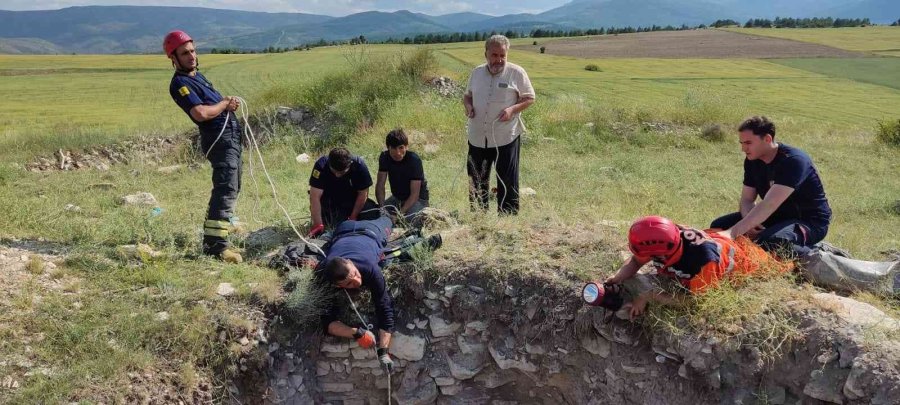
x: 138, y: 29
x: 27, y: 46
x: 118, y: 29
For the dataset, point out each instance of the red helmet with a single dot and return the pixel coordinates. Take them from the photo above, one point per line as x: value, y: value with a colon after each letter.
x: 654, y: 237
x: 175, y: 39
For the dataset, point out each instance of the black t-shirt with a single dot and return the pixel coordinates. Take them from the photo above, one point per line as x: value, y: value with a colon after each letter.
x: 401, y: 173
x: 340, y: 191
x: 792, y: 168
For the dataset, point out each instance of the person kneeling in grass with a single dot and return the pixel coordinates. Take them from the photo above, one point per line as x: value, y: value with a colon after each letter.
x: 696, y: 259
x: 403, y: 169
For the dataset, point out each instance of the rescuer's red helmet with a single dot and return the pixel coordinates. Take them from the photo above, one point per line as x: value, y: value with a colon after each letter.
x: 175, y: 39
x: 655, y: 236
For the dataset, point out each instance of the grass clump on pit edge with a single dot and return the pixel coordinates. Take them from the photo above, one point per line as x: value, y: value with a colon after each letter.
x: 753, y: 313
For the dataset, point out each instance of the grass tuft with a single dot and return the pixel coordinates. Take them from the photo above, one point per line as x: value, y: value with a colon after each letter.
x: 888, y: 133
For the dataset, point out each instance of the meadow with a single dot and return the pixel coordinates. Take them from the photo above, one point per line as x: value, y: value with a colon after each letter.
x: 879, y: 40
x: 602, y: 147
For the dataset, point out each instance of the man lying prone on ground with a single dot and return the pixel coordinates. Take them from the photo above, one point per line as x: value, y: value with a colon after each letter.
x: 355, y: 257
x: 696, y: 259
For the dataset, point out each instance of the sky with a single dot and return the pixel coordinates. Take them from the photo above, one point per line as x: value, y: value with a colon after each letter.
x: 328, y: 7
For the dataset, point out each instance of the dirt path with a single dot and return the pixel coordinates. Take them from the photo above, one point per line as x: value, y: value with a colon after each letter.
x: 706, y: 43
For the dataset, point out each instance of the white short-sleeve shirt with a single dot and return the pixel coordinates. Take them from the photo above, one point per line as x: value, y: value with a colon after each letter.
x: 490, y: 95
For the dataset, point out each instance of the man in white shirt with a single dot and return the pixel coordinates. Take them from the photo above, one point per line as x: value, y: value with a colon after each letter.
x: 497, y: 93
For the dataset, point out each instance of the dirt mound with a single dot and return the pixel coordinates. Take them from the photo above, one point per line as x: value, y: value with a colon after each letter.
x: 445, y: 86
x: 102, y: 157
x: 706, y: 43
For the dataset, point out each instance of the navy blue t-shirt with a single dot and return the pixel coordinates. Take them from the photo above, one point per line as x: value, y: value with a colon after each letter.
x: 791, y: 168
x: 401, y: 173
x: 698, y: 250
x: 340, y: 191
x: 366, y: 253
x: 191, y: 91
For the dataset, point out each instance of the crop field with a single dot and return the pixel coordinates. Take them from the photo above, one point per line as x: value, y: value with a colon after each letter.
x: 708, y: 43
x: 602, y: 147
x: 878, y: 40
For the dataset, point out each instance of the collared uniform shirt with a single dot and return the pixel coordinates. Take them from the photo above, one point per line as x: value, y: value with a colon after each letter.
x: 191, y: 91
x: 490, y: 95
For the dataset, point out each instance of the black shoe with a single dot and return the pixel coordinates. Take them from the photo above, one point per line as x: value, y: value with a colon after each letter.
x: 827, y: 247
x: 434, y: 242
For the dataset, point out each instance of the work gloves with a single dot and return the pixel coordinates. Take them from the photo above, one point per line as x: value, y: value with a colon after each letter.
x: 365, y: 338
x: 385, y: 359
x: 316, y: 231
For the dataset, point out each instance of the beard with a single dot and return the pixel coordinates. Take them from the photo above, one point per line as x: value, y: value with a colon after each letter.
x: 496, y: 67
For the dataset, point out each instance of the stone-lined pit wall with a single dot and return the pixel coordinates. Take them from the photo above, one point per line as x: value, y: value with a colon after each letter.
x: 447, y: 356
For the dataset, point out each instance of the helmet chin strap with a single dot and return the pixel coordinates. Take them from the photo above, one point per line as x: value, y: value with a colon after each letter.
x: 181, y: 69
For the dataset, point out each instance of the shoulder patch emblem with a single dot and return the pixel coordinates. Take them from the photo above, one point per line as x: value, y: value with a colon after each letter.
x: 316, y: 174
x: 184, y: 90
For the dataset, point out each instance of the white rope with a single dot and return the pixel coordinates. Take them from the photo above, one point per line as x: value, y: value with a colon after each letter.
x: 227, y: 117
x: 254, y: 146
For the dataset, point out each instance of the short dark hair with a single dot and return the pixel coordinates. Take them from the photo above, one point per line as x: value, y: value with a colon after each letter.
x: 396, y: 138
x: 761, y: 126
x: 336, y: 269
x: 339, y: 159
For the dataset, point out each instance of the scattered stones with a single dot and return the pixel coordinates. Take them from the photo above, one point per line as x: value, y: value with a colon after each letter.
x: 150, y: 150
x: 445, y: 86
x: 225, y: 290
x: 336, y: 387
x: 440, y: 327
x: 508, y: 360
x: 827, y: 385
x: 634, y: 369
x: 855, y: 312
x: 322, y: 368
x: 9, y: 383
x: 596, y: 345
x: 302, y: 158
x: 465, y: 366
x: 527, y: 192
x: 421, y: 323
x: 142, y: 198
x: 162, y: 316
x: 406, y: 347
x: 72, y: 208
x: 451, y: 390
x: 444, y: 381
x: 359, y: 353
x: 535, y: 349
x: 416, y: 386
x: 496, y: 379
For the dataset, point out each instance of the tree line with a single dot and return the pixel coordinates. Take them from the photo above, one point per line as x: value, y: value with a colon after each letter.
x: 816, y: 22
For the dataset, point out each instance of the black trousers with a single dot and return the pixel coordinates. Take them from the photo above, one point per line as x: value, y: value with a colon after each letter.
x: 479, y: 164
x: 225, y: 158
x: 334, y: 213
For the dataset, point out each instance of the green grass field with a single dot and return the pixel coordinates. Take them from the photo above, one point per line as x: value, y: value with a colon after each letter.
x: 879, y: 71
x: 602, y: 146
x: 881, y: 40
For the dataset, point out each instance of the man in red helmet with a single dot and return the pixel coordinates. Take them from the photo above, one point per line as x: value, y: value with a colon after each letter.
x: 696, y: 259
x: 220, y: 140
